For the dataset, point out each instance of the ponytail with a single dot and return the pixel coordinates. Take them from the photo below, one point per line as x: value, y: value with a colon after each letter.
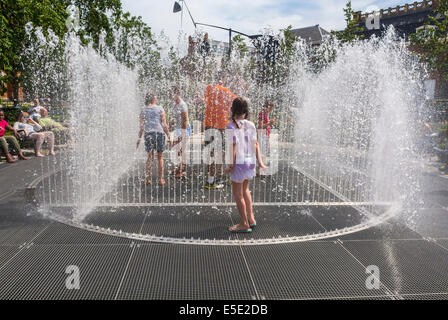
x: 239, y: 107
x: 236, y: 123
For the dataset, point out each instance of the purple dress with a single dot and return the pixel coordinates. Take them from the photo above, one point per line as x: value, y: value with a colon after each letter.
x: 245, y: 139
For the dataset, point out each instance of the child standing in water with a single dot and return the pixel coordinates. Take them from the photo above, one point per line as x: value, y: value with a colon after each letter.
x: 153, y: 123
x: 244, y: 152
x: 182, y: 131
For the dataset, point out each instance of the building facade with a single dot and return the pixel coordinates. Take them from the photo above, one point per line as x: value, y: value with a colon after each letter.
x: 406, y: 19
x: 314, y: 35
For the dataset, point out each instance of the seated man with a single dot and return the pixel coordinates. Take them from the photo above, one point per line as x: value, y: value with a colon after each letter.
x: 34, y: 111
x: 49, y: 124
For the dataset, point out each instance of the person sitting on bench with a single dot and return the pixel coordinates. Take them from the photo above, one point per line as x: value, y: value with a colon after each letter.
x: 9, y: 140
x: 27, y: 128
x: 58, y: 129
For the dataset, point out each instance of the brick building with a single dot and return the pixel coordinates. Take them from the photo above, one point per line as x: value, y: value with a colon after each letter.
x: 406, y: 19
x: 8, y: 95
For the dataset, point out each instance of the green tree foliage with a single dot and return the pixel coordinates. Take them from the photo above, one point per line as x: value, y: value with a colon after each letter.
x: 135, y: 45
x: 97, y: 17
x: 352, y: 31
x: 285, y: 55
x: 43, y: 63
x: 323, y: 55
x: 280, y: 54
x: 432, y: 40
x: 239, y: 45
x: 102, y: 24
x: 14, y: 15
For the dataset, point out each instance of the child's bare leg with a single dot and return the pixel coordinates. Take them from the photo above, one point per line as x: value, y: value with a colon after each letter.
x: 149, y: 163
x: 248, y: 201
x: 211, y: 166
x: 237, y: 189
x: 182, y: 167
x: 160, y: 166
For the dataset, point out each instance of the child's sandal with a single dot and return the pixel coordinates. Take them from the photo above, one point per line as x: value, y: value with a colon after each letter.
x: 235, y: 229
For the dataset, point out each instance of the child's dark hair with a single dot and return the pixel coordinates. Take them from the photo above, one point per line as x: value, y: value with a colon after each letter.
x: 240, y: 107
x: 175, y: 90
x: 150, y: 97
x: 268, y: 103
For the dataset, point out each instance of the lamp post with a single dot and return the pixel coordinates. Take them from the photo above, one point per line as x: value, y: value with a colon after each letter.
x: 177, y: 7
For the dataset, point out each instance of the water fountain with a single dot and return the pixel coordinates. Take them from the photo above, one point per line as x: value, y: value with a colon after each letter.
x: 343, y: 147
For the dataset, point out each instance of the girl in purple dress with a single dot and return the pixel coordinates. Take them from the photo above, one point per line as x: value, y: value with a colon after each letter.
x: 244, y: 152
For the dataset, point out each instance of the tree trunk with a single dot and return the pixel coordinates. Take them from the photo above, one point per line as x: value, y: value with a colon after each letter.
x: 443, y: 89
x: 15, y: 88
x: 16, y: 93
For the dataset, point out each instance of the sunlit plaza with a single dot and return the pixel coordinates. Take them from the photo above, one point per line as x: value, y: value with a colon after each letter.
x: 163, y: 155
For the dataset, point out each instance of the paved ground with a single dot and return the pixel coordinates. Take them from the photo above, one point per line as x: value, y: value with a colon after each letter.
x: 35, y: 252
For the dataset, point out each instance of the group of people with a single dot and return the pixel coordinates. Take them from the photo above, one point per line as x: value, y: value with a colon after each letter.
x: 34, y: 125
x: 227, y: 118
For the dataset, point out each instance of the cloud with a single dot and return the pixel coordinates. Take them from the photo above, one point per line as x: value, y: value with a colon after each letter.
x: 248, y: 16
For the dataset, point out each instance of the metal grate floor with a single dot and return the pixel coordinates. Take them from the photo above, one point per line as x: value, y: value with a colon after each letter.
x: 34, y: 255
x: 432, y: 222
x: 38, y: 272
x: 328, y: 267
x: 406, y: 267
x: 116, y: 268
x: 212, y: 222
x: 187, y: 272
x: 287, y: 185
x: 391, y: 229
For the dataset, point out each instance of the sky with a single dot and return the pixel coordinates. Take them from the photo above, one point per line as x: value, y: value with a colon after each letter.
x: 248, y: 16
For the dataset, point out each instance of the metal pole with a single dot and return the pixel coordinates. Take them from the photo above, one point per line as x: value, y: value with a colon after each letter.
x: 183, y: 2
x: 230, y: 42
x: 182, y: 18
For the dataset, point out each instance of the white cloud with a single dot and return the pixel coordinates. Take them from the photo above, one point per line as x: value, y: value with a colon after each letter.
x: 248, y: 16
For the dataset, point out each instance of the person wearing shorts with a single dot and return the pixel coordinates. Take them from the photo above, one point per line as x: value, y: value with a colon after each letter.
x: 218, y: 100
x: 28, y: 130
x: 153, y: 123
x: 182, y: 131
x: 264, y: 126
x: 244, y: 154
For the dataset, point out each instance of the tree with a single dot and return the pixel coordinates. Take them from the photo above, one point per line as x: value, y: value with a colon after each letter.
x: 43, y: 63
x: 128, y: 38
x: 432, y: 41
x: 5, y: 45
x: 135, y: 46
x: 97, y: 17
x: 285, y: 55
x: 239, y: 45
x: 279, y: 53
x: 14, y: 16
x: 352, y: 31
